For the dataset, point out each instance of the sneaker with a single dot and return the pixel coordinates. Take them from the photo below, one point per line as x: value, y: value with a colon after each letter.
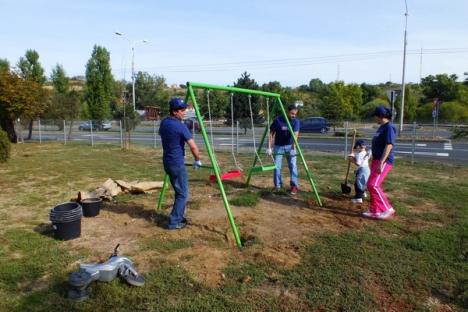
x: 370, y: 215
x: 356, y: 200
x: 293, y: 190
x: 179, y: 226
x: 386, y: 214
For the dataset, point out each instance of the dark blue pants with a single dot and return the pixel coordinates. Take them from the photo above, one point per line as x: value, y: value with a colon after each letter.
x: 178, y: 177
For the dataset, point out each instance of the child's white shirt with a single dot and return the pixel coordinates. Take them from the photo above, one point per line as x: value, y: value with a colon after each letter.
x: 362, y: 158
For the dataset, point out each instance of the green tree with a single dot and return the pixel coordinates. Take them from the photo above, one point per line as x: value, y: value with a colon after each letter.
x: 335, y: 105
x: 19, y: 97
x: 411, y: 104
x: 219, y: 101
x: 443, y: 87
x: 99, y: 84
x: 151, y: 90
x: 241, y: 101
x: 4, y: 65
x: 31, y: 69
x: 316, y: 85
x: 59, y: 79
x: 353, y: 93
x: 454, y: 112
x: 272, y: 86
x: 370, y: 92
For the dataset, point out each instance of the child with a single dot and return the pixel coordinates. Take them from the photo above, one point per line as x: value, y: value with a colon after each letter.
x: 361, y: 159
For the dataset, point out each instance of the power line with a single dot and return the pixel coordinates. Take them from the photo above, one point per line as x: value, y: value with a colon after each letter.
x: 295, y: 62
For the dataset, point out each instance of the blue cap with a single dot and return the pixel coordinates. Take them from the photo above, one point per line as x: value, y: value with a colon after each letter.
x: 177, y: 103
x: 359, y: 143
x: 382, y: 111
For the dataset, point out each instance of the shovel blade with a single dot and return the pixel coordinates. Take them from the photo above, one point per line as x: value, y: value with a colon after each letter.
x: 345, y: 188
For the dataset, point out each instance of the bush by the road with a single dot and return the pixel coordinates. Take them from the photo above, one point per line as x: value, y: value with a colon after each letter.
x: 459, y: 132
x: 4, y: 146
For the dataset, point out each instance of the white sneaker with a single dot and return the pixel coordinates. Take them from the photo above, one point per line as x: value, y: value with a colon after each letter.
x: 356, y: 200
x: 370, y: 215
x: 386, y: 214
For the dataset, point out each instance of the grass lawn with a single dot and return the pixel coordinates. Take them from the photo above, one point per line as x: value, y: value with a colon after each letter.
x: 297, y: 256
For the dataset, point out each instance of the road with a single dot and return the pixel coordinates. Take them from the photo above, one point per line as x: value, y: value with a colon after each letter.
x: 443, y: 150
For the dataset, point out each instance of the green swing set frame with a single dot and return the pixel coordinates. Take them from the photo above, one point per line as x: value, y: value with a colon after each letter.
x: 277, y: 105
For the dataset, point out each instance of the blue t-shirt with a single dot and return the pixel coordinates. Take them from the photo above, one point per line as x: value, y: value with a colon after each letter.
x: 174, y: 133
x: 280, y: 128
x: 384, y: 135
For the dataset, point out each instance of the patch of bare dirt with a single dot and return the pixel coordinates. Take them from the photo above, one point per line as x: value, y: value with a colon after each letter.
x: 272, y: 231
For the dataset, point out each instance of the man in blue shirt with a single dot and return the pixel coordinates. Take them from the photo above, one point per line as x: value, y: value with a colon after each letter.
x: 284, y: 145
x: 174, y: 134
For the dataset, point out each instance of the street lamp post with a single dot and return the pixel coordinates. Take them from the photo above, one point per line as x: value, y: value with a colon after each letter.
x: 132, y: 45
x: 402, y: 108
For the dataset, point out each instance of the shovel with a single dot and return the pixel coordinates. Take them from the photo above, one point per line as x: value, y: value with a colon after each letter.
x: 345, y: 187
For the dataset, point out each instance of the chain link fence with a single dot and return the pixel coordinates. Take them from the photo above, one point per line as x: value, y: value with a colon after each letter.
x: 415, y: 140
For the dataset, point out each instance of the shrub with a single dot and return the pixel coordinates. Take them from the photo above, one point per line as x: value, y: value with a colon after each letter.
x: 459, y: 132
x: 4, y: 146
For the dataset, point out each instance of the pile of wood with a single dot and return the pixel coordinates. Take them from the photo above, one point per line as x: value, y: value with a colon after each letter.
x: 112, y: 188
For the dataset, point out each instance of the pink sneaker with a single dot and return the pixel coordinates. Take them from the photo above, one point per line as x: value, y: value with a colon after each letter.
x: 293, y: 190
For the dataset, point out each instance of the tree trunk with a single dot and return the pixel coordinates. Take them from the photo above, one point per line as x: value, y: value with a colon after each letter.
x: 30, y: 129
x: 8, y: 125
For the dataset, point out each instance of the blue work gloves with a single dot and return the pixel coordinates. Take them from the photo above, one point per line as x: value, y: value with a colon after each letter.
x: 197, y: 164
x: 269, y: 152
x: 292, y: 153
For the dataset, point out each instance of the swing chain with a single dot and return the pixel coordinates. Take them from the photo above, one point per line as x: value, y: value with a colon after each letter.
x: 237, y: 164
x: 253, y: 130
x: 268, y: 124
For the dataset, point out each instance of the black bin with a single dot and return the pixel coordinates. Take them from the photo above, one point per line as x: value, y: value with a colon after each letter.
x: 91, y: 206
x: 66, y: 220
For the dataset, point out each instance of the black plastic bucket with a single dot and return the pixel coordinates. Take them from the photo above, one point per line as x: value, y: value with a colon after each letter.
x: 91, y: 206
x: 66, y: 220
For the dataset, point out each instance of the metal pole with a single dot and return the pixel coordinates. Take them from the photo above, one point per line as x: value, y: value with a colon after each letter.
x: 133, y: 77
x: 346, y: 140
x: 163, y: 191
x: 414, y: 142
x: 299, y: 152
x: 154, y: 133
x: 64, y: 133
x: 121, y: 134
x: 91, y: 129
x: 403, y: 86
x: 40, y: 133
x: 215, y: 167
x: 237, y: 136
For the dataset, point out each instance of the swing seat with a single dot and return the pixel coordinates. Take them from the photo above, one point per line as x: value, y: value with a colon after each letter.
x: 226, y: 175
x: 263, y: 168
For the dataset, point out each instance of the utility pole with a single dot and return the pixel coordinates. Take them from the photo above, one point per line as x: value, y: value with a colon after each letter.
x: 132, y: 45
x: 402, y: 108
x: 420, y: 64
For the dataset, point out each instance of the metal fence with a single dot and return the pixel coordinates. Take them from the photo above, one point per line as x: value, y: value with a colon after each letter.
x: 239, y: 139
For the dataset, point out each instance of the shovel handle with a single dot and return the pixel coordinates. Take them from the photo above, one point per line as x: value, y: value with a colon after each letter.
x: 351, y: 150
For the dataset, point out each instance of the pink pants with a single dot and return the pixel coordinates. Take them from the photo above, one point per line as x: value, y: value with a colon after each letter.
x: 378, y: 201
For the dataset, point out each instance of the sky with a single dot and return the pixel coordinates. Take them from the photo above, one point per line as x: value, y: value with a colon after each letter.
x: 215, y: 41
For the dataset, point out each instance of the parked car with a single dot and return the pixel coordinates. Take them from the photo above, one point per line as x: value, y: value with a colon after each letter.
x: 315, y: 124
x: 190, y: 123
x: 105, y: 125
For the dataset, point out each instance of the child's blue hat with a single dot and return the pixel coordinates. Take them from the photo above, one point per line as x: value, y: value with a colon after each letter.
x: 359, y: 143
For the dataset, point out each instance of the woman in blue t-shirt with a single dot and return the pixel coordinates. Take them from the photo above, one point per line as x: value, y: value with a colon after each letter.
x: 383, y: 144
